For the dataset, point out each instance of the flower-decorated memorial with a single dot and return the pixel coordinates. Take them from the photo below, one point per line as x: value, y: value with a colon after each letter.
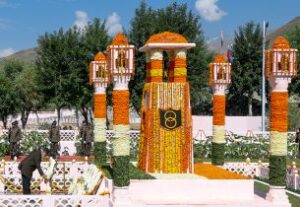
x: 281, y: 66
x: 219, y: 79
x: 166, y: 130
x: 100, y: 77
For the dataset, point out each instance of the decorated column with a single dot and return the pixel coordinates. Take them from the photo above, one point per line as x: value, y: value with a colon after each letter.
x: 99, y: 76
x: 219, y: 78
x: 280, y: 68
x: 166, y: 120
x: 177, y: 70
x: 120, y: 59
x: 154, y: 66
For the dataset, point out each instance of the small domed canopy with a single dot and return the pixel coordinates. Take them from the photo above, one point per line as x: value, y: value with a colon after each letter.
x: 99, y: 57
x: 281, y: 43
x: 167, y: 41
x: 220, y: 58
x: 120, y: 39
x: 167, y: 37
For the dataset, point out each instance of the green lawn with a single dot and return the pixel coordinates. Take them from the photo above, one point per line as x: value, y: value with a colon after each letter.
x: 262, y: 188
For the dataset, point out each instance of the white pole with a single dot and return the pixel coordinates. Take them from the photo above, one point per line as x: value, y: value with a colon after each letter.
x: 263, y: 105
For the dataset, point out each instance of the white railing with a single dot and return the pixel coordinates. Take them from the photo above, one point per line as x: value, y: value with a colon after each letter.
x: 261, y: 170
x: 63, y: 177
x: 70, y: 137
x: 53, y: 201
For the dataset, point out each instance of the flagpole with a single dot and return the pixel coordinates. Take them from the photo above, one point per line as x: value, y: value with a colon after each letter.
x: 263, y: 105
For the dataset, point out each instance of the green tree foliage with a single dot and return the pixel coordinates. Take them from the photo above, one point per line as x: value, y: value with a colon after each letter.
x: 27, y: 90
x: 246, y: 69
x: 63, y: 62
x: 93, y: 39
x: 7, y: 99
x: 55, y: 57
x: 293, y: 37
x: 173, y: 18
x: 19, y: 90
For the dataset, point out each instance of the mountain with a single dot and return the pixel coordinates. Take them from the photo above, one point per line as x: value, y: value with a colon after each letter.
x: 283, y: 29
x: 215, y: 44
x: 23, y: 55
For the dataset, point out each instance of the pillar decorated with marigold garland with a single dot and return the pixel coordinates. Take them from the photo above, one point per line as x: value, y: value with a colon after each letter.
x: 281, y: 66
x: 166, y: 124
x: 121, y: 66
x: 99, y: 76
x: 219, y: 79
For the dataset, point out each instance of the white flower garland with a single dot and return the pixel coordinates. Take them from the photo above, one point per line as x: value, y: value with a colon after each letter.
x: 218, y: 134
x: 156, y: 55
x: 181, y: 54
x: 86, y: 183
x: 278, y: 143
x: 121, y: 141
x: 51, y: 166
x: 100, y: 129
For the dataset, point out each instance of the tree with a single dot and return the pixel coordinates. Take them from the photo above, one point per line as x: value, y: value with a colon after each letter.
x: 28, y: 95
x: 93, y: 39
x: 246, y: 69
x: 293, y: 37
x: 55, y: 57
x: 174, y: 18
x: 9, y: 102
x: 63, y: 61
x: 7, y: 99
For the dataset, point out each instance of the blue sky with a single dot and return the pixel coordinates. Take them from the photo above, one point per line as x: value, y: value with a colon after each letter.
x: 23, y: 21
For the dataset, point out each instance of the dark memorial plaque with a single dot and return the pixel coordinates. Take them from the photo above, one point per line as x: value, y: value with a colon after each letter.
x: 170, y: 119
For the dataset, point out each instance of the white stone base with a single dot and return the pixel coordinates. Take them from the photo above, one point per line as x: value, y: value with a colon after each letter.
x: 121, y: 197
x: 277, y: 196
x: 190, y: 191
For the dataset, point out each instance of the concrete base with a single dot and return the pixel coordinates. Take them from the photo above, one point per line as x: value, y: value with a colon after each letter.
x: 190, y: 191
x: 277, y: 196
x: 121, y: 197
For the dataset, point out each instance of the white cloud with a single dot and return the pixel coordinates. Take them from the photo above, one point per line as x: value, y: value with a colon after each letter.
x: 6, y: 52
x: 209, y: 10
x: 113, y: 24
x: 81, y: 19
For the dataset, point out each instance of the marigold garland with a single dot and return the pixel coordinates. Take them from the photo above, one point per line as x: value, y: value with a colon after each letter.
x: 213, y: 172
x: 279, y: 111
x: 120, y: 39
x: 167, y: 37
x: 162, y: 150
x: 155, y: 64
x: 219, y: 109
x: 121, y: 107
x: 179, y: 63
x: 155, y: 79
x: 100, y: 106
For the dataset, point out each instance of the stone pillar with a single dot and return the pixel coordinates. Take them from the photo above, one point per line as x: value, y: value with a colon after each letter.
x: 179, y: 67
x: 100, y: 125
x: 121, y: 148
x: 154, y: 66
x: 278, y: 141
x: 218, y: 141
